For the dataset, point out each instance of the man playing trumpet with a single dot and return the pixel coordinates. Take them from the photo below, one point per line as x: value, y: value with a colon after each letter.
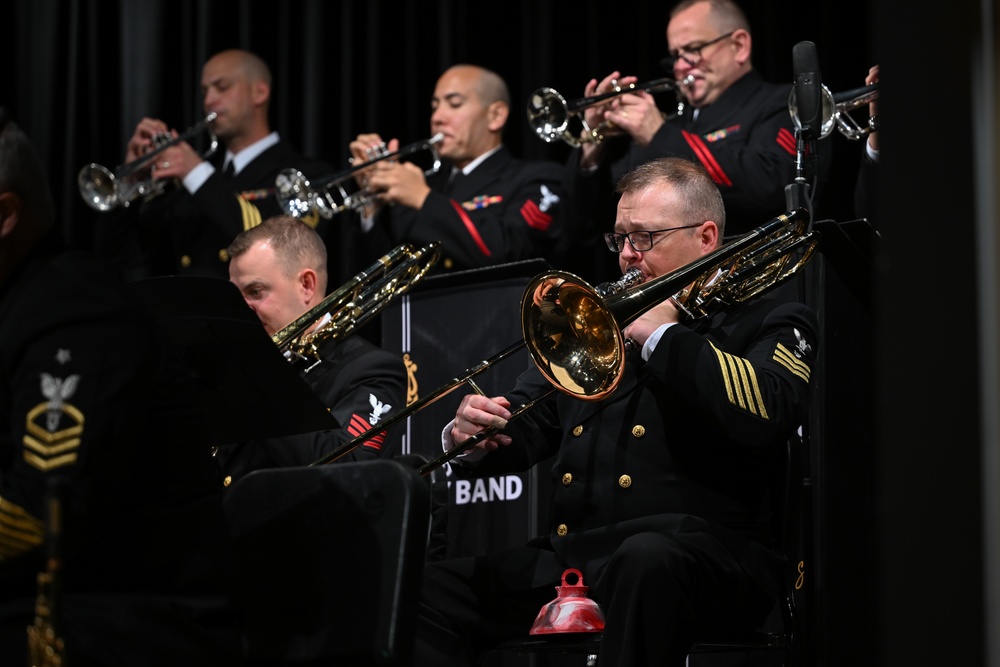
x: 484, y: 206
x: 187, y: 230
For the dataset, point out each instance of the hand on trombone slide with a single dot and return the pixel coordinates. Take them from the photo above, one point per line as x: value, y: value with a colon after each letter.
x: 476, y: 413
x: 392, y: 181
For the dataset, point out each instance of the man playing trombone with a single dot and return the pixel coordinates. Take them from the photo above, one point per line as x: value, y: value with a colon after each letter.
x: 484, y: 206
x: 187, y: 230
x: 280, y: 268
x: 660, y: 489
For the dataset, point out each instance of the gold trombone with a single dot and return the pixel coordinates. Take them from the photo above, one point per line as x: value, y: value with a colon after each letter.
x: 836, y: 108
x: 330, y: 196
x: 103, y: 189
x: 357, y: 301
x: 549, y: 113
x: 574, y: 331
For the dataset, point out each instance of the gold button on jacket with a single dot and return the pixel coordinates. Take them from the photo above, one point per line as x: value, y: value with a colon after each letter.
x: 185, y: 261
x: 624, y: 481
x: 562, y: 530
x: 577, y: 430
x: 223, y: 255
x: 638, y: 430
x: 567, y: 479
x: 228, y: 480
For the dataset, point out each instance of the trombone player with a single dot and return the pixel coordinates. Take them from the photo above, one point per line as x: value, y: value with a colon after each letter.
x: 280, y: 268
x: 485, y: 206
x: 660, y: 489
x: 186, y: 231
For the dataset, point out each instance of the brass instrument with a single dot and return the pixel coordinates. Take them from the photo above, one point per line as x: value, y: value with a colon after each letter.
x: 356, y: 301
x: 549, y: 113
x: 578, y: 347
x: 103, y: 189
x: 835, y: 110
x: 298, y: 197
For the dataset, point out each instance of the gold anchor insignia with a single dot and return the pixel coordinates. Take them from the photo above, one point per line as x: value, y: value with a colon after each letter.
x: 412, y: 386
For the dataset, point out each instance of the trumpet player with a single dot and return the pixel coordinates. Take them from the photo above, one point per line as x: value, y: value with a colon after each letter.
x: 187, y: 230
x: 485, y: 206
x: 733, y: 123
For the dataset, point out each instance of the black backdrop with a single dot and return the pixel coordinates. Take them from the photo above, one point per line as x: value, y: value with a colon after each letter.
x: 86, y: 71
x: 81, y: 73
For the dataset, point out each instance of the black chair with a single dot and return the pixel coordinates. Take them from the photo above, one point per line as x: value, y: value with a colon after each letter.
x: 328, y: 561
x: 783, y: 640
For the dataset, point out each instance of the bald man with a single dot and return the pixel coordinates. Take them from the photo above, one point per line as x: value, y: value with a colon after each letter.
x: 485, y: 206
x: 188, y: 230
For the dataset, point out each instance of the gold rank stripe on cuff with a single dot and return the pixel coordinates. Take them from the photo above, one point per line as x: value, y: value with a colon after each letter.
x: 795, y: 366
x: 251, y: 214
x: 740, y: 380
x: 19, y: 530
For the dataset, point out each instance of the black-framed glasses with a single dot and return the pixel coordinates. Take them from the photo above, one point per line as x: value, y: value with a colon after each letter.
x: 691, y: 53
x: 641, y: 241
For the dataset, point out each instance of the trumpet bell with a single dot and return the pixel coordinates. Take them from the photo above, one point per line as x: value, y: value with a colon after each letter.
x: 97, y: 187
x: 572, y: 336
x: 548, y: 114
x: 828, y: 111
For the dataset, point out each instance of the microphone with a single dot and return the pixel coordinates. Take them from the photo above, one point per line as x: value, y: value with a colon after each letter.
x: 805, y: 69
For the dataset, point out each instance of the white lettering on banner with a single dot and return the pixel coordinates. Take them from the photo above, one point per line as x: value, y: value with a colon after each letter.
x: 492, y: 489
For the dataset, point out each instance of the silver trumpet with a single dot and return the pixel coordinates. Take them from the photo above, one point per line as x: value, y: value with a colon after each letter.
x: 836, y: 108
x: 104, y: 189
x: 330, y: 196
x: 549, y: 114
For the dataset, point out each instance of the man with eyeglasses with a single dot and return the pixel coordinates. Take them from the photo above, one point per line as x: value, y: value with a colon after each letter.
x: 660, y: 491
x: 733, y: 123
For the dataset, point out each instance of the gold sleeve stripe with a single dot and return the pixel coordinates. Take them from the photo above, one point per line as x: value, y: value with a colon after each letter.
x: 19, y: 530
x: 797, y: 367
x: 740, y: 380
x: 251, y: 214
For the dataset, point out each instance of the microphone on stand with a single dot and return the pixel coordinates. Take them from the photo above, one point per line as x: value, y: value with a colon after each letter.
x: 808, y: 96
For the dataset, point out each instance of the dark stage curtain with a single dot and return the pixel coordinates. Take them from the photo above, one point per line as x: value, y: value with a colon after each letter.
x: 86, y: 71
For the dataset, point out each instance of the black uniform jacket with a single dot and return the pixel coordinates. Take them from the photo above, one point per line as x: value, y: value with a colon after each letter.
x: 83, y: 385
x: 360, y: 384
x: 505, y: 210
x: 687, y: 441
x: 183, y: 234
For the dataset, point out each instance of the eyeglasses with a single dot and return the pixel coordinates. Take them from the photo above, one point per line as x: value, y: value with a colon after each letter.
x: 691, y: 54
x: 641, y: 241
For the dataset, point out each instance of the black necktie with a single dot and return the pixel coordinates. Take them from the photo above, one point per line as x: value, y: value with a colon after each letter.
x: 230, y: 169
x: 449, y: 187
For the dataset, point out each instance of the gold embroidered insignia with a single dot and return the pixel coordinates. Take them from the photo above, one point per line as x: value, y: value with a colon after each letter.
x: 412, y: 386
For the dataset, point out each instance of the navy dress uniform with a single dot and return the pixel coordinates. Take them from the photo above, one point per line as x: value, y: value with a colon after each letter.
x: 660, y: 494
x: 505, y: 210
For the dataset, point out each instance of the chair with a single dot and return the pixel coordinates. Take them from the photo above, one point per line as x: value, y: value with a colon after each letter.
x: 785, y: 636
x: 327, y: 562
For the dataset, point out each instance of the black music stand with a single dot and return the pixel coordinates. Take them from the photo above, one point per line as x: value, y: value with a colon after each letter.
x: 243, y: 386
x: 328, y: 562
